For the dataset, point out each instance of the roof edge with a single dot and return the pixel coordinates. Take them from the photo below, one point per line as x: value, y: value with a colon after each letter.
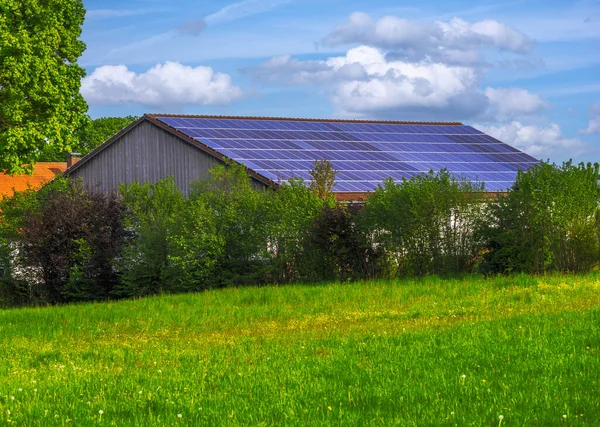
x: 297, y: 119
x: 198, y: 144
x: 102, y: 146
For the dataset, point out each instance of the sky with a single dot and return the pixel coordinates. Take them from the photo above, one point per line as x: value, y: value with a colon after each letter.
x: 526, y: 72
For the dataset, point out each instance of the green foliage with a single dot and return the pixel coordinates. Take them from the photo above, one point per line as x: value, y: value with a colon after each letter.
x: 62, y: 240
x: 426, y: 223
x: 89, y: 136
x: 239, y: 210
x: 153, y: 215
x: 290, y: 214
x: 547, y: 222
x: 340, y: 249
x: 323, y: 178
x: 40, y: 103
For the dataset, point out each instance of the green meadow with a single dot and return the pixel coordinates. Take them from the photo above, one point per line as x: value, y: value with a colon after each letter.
x: 484, y: 352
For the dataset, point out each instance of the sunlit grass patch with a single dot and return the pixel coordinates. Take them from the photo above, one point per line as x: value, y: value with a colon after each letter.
x: 414, y: 352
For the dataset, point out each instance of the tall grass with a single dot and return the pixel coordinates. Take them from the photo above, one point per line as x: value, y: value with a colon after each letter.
x: 506, y: 351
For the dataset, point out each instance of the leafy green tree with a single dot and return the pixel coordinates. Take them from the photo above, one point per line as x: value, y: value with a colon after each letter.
x: 546, y: 222
x: 323, y: 179
x: 88, y: 137
x: 426, y: 223
x: 239, y: 208
x: 40, y: 103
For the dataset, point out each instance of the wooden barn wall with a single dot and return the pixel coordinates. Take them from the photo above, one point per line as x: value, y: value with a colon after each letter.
x: 147, y: 153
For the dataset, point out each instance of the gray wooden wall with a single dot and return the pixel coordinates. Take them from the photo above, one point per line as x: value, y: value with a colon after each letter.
x: 147, y: 153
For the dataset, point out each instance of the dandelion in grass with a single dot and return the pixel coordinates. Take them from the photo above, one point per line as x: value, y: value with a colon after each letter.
x: 565, y: 416
x: 501, y: 417
x: 100, y: 411
x: 179, y: 416
x: 463, y: 376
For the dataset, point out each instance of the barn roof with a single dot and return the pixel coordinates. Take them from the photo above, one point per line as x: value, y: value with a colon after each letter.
x: 364, y: 152
x: 42, y: 172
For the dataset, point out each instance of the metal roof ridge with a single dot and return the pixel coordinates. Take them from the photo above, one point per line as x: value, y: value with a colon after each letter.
x: 299, y: 119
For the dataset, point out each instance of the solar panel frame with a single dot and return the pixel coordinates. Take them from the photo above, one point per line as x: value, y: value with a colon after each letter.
x: 365, y: 153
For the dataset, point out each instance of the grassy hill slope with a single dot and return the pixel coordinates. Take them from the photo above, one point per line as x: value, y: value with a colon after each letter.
x: 506, y: 351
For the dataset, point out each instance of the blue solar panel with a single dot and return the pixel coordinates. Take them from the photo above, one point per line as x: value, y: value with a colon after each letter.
x: 364, y: 153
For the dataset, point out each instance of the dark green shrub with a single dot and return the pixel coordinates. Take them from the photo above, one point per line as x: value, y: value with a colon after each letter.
x: 63, y: 240
x: 340, y: 249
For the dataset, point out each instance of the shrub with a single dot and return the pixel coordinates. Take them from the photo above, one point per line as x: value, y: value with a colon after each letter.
x: 63, y: 240
x: 290, y: 213
x: 239, y: 212
x: 152, y: 216
x: 547, y: 222
x: 425, y: 224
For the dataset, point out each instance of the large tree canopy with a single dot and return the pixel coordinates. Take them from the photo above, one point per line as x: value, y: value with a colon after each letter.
x: 40, y: 103
x: 88, y: 137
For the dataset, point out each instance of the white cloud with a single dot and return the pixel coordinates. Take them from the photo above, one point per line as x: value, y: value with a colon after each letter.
x: 295, y: 72
x: 420, y: 70
x: 366, y: 81
x: 511, y: 103
x: 594, y: 124
x: 540, y: 142
x: 169, y: 85
x: 454, y: 41
x: 400, y: 85
x: 243, y: 9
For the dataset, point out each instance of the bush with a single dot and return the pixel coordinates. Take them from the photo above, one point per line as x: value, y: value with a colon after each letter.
x: 239, y: 212
x: 547, y: 222
x: 425, y: 224
x: 340, y: 249
x: 62, y: 241
x: 290, y: 214
x: 152, y: 216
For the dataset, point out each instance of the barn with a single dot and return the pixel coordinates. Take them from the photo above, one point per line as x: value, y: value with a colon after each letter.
x: 277, y: 149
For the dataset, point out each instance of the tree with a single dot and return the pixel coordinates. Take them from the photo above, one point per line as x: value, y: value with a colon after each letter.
x: 40, y: 103
x: 323, y: 179
x: 546, y: 222
x: 89, y: 136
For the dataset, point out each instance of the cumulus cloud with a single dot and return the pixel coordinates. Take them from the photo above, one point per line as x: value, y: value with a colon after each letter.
x: 165, y: 85
x: 539, y: 141
x: 420, y: 70
x: 594, y: 124
x: 295, y: 72
x: 510, y: 103
x: 396, y: 86
x: 368, y: 82
x: 454, y: 41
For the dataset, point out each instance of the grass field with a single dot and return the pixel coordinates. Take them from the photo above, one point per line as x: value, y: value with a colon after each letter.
x: 508, y: 351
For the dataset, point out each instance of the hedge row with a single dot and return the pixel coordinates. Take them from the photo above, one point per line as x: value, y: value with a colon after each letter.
x: 67, y: 243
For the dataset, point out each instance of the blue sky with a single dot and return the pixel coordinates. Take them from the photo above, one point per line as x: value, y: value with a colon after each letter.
x: 526, y: 72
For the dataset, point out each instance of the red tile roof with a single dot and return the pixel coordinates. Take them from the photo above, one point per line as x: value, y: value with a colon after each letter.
x: 42, y: 173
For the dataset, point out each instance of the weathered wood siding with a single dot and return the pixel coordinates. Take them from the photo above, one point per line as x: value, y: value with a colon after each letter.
x: 147, y: 153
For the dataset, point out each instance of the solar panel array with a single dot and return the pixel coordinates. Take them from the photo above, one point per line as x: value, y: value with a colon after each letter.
x: 364, y: 153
